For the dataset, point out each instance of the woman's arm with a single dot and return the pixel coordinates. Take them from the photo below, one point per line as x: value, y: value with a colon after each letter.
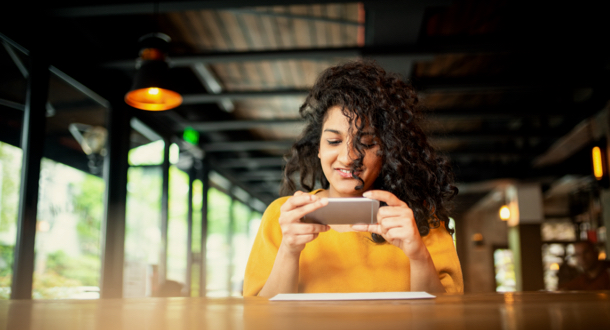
x: 396, y: 223
x: 424, y: 276
x: 284, y: 276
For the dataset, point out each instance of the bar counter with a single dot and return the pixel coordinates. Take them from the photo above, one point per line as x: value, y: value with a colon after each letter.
x: 519, y: 310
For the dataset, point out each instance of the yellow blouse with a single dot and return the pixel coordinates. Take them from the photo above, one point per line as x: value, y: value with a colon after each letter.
x: 348, y: 262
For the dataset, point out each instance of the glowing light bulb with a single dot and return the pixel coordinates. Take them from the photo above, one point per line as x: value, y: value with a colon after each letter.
x: 504, y: 212
x: 598, y: 170
x: 153, y: 91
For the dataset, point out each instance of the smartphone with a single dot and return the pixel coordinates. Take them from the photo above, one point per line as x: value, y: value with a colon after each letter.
x: 341, y: 211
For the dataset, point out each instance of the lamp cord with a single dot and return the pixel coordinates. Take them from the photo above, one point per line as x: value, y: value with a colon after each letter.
x: 156, y: 16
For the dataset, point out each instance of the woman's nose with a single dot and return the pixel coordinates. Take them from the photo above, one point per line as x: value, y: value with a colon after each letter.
x: 347, y: 154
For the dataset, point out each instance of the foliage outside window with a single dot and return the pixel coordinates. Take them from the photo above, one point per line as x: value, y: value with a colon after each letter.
x: 505, y: 270
x: 68, y: 232
x: 10, y: 173
x: 143, y: 220
x: 177, y: 226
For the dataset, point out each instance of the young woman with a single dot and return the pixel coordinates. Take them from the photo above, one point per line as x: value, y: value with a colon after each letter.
x: 362, y: 139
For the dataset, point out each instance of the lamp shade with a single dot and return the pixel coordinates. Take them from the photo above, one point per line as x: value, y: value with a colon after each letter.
x: 150, y: 90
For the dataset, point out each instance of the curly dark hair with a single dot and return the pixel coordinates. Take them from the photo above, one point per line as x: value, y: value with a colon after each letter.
x: 369, y: 96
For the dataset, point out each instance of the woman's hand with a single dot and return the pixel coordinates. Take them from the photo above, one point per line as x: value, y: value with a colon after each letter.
x: 396, y: 223
x: 296, y: 234
x: 284, y: 276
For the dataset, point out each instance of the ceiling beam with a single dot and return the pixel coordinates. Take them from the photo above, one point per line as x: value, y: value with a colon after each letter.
x: 102, y: 8
x: 229, y: 175
x: 261, y: 175
x: 230, y: 125
x: 413, y: 52
x: 213, y: 98
x: 475, y: 136
x: 247, y: 145
x: 250, y: 162
x: 212, y: 84
x: 431, y: 114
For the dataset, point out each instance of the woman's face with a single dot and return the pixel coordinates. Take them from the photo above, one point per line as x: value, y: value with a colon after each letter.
x: 337, y: 154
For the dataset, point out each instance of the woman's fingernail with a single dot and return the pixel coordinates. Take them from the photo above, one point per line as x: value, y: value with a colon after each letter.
x: 367, y: 194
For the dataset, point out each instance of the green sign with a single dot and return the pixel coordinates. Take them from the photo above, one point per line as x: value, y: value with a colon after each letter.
x: 191, y: 136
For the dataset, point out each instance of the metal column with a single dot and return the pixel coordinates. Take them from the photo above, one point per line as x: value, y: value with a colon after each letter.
x: 164, y: 213
x: 204, y: 175
x: 32, y: 140
x: 115, y: 199
x: 230, y: 234
x: 189, y: 237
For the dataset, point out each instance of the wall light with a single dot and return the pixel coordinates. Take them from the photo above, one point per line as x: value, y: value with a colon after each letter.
x: 504, y: 213
x: 477, y: 239
x: 150, y: 90
x: 598, y: 168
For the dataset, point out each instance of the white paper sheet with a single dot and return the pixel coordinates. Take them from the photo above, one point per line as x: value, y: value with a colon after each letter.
x: 352, y: 296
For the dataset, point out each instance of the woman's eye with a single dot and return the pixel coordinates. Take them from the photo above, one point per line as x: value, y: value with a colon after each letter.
x: 333, y: 142
x: 368, y: 143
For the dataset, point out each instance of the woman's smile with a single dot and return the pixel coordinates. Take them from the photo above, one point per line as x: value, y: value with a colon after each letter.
x: 346, y: 173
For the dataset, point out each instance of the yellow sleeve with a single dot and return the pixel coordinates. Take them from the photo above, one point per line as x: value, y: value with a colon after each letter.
x: 444, y: 255
x: 264, y: 249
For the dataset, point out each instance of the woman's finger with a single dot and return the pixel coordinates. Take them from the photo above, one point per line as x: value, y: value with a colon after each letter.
x: 374, y: 228
x: 306, y: 228
x: 301, y: 239
x: 303, y: 210
x: 392, y: 222
x: 297, y: 201
x: 396, y: 233
x: 384, y: 196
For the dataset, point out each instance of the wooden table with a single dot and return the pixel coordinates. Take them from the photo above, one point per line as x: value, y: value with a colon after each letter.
x: 532, y: 310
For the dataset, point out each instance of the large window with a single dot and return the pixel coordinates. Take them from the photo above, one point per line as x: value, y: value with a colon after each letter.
x: 13, y: 85
x: 177, y: 226
x: 71, y: 193
x: 10, y: 170
x: 232, y: 226
x: 70, y: 209
x: 143, y: 243
x: 504, y: 266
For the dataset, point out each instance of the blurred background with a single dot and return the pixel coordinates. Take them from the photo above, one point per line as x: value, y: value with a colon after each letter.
x: 128, y: 202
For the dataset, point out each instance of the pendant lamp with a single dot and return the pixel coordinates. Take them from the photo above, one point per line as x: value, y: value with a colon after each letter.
x: 150, y: 90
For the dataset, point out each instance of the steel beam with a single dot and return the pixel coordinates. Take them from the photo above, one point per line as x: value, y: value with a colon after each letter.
x: 230, y: 125
x: 115, y: 200
x: 32, y: 141
x: 189, y: 235
x: 97, y: 8
x: 213, y: 98
x: 204, y: 176
x: 409, y: 52
x: 247, y: 145
x: 164, y: 212
x: 251, y: 162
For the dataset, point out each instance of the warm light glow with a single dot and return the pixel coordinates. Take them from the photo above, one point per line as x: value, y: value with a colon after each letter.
x: 153, y: 99
x: 598, y: 170
x: 555, y: 266
x: 43, y: 226
x: 602, y: 256
x: 504, y: 213
x: 478, y: 237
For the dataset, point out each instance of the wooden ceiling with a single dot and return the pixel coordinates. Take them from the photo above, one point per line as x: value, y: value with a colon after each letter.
x: 500, y: 81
